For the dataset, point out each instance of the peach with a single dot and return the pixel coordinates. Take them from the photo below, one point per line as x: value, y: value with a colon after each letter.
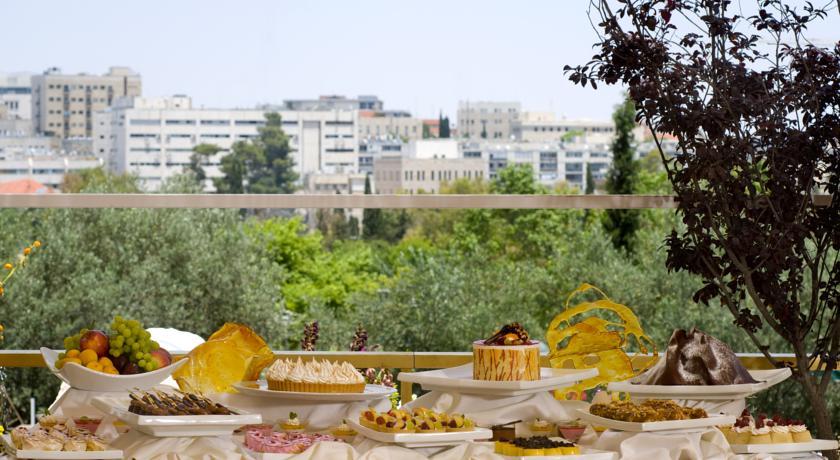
x: 96, y: 341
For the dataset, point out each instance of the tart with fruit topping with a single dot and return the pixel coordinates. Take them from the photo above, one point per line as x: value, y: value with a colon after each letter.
x: 535, y: 446
x: 507, y: 355
x: 293, y: 424
x: 460, y: 422
x: 368, y: 418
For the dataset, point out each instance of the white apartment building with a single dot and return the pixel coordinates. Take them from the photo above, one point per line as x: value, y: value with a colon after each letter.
x: 154, y: 138
x: 340, y: 183
x: 16, y: 95
x: 25, y: 145
x: 552, y: 162
x: 335, y: 102
x: 63, y: 105
x: 400, y: 174
x: 389, y: 125
x: 487, y: 120
x: 545, y: 127
x: 433, y: 148
x: 47, y: 169
x: 371, y: 149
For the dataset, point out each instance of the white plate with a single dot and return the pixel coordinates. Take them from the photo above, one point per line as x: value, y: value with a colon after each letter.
x: 82, y: 378
x: 670, y: 425
x: 175, y: 425
x: 260, y: 388
x: 765, y: 378
x: 459, y: 379
x: 45, y: 454
x: 422, y: 439
x: 791, y: 447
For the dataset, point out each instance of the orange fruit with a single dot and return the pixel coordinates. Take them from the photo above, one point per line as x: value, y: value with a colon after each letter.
x: 110, y: 370
x: 71, y: 360
x: 105, y: 362
x: 72, y: 353
x: 94, y: 365
x: 88, y: 356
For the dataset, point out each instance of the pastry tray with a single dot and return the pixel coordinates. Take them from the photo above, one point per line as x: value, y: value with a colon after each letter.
x: 459, y: 380
x: 765, y: 378
x: 175, y: 425
x: 668, y: 425
x: 414, y: 440
x: 52, y: 455
x: 785, y: 448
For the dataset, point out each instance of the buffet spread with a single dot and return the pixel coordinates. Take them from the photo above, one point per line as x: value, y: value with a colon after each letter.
x: 234, y: 399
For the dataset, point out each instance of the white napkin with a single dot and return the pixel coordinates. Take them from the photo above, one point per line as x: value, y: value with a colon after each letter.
x: 136, y: 445
x: 708, y: 444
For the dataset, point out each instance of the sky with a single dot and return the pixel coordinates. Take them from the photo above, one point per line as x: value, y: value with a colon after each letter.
x: 421, y: 56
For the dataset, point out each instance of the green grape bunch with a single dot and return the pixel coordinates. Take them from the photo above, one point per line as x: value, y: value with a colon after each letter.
x: 128, y: 337
x: 74, y: 341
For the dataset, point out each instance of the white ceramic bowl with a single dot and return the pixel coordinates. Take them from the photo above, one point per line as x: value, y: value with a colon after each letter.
x: 83, y: 378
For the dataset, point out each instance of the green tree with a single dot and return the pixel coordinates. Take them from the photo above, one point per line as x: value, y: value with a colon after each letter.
x: 262, y: 166
x: 198, y: 159
x: 372, y: 220
x: 590, y: 181
x: 621, y: 224
x: 98, y: 180
x: 443, y: 123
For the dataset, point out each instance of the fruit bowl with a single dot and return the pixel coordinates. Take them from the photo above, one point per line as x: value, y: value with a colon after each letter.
x: 82, y: 378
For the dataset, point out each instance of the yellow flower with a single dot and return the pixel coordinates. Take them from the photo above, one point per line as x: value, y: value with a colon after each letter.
x: 8, y: 266
x: 26, y: 251
x: 2, y: 290
x: 2, y: 430
x: 37, y: 244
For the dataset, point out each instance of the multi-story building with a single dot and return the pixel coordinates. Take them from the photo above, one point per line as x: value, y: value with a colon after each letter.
x: 155, y: 137
x: 16, y: 95
x: 389, y: 124
x: 340, y: 183
x: 25, y: 145
x: 401, y: 174
x: 487, y: 120
x: 552, y: 162
x: 48, y: 169
x: 335, y: 102
x: 545, y: 127
x: 371, y: 149
x: 63, y: 105
x: 433, y: 148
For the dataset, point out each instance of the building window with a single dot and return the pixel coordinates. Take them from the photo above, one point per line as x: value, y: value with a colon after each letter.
x: 249, y: 122
x: 180, y: 122
x: 216, y: 122
x: 143, y: 122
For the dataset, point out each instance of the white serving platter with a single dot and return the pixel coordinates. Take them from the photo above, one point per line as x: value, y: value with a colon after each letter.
x: 414, y: 440
x: 670, y: 425
x: 585, y: 454
x: 51, y: 455
x: 175, y: 425
x: 785, y: 448
x: 765, y: 378
x: 260, y: 388
x: 82, y: 378
x: 459, y: 380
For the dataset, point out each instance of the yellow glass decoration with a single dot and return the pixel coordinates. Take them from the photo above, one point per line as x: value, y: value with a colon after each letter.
x: 578, y: 339
x: 232, y: 354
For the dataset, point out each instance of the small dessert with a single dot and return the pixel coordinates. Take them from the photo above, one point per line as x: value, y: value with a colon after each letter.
x: 292, y: 424
x: 541, y: 427
x: 427, y: 425
x: 535, y: 446
x: 314, y: 377
x: 760, y: 433
x: 50, y: 421
x: 460, y: 422
x: 344, y: 432
x: 696, y: 358
x: 504, y: 432
x: 400, y: 414
x: 780, y: 433
x: 507, y: 355
x: 87, y: 423
x: 651, y: 410
x: 368, y: 418
x: 75, y: 445
x: 571, y: 430
x: 799, y: 432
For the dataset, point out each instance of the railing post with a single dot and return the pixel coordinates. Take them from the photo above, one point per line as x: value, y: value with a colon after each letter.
x: 406, y: 390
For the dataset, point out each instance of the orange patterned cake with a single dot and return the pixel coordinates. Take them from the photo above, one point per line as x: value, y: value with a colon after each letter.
x: 508, y: 355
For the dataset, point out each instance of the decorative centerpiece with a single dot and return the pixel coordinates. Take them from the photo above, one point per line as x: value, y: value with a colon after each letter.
x: 507, y: 355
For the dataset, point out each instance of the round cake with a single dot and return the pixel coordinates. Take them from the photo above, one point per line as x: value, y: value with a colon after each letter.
x: 508, y: 355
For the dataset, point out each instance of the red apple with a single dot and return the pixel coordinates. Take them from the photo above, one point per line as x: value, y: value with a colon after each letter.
x: 130, y: 368
x: 161, y: 357
x: 96, y: 341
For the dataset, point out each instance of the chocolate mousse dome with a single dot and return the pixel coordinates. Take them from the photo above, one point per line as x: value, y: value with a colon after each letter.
x: 696, y: 358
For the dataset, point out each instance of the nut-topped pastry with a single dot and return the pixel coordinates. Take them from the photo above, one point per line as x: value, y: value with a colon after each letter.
x: 507, y: 355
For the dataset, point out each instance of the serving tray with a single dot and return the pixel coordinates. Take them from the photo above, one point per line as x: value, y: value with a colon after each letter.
x: 459, y: 380
x: 260, y: 388
x: 175, y: 425
x: 669, y: 425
